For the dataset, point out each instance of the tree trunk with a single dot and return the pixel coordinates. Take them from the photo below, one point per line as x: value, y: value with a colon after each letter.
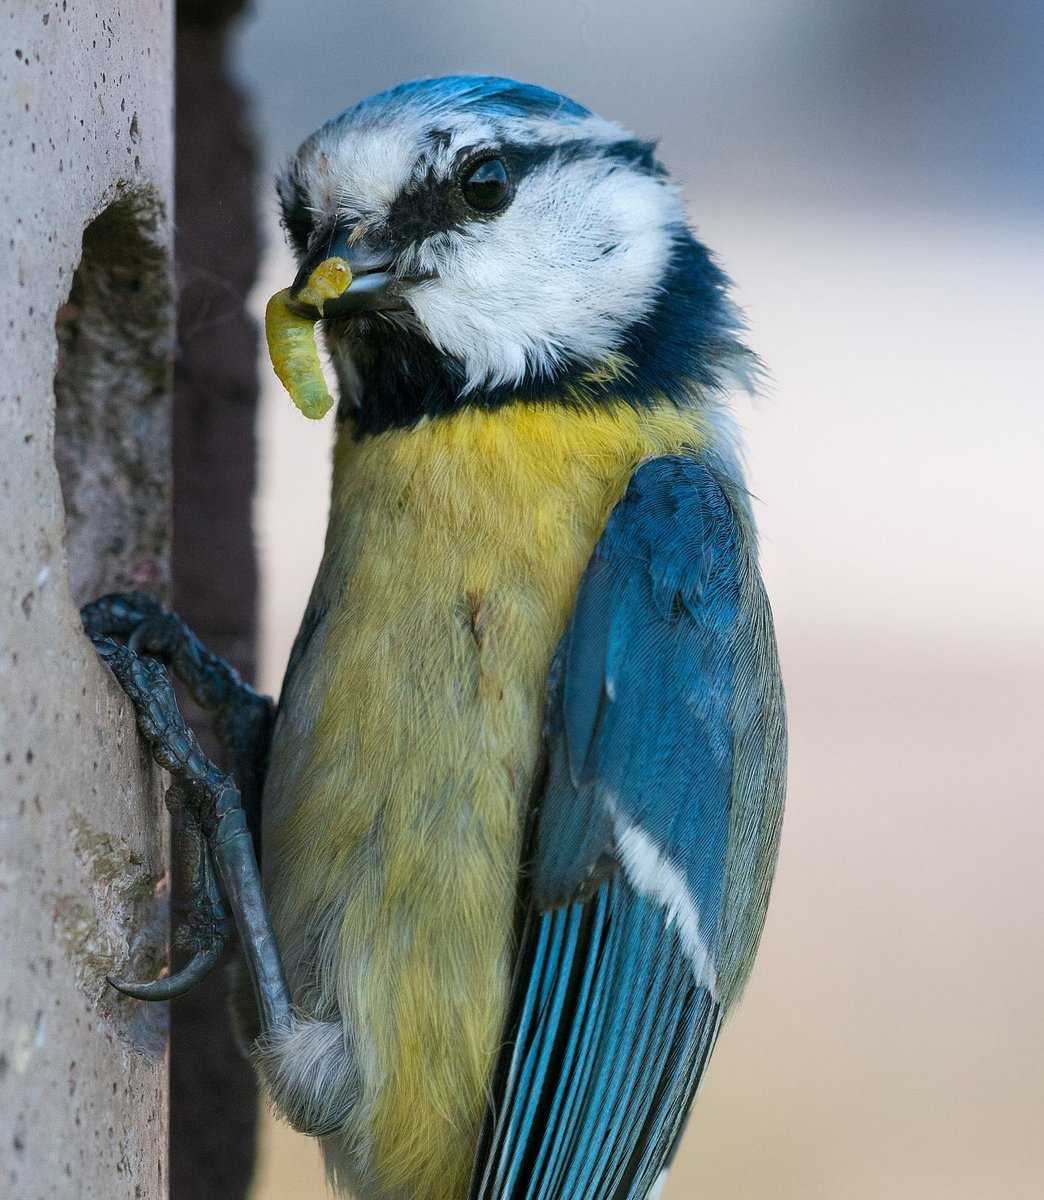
x: 87, y: 320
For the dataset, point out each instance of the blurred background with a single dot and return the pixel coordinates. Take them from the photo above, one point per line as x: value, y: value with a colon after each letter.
x: 872, y: 176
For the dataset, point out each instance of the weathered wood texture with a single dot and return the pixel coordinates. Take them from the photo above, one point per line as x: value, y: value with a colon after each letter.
x: 86, y: 314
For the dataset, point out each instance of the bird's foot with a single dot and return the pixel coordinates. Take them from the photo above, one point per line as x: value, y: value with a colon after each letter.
x: 192, y: 797
x: 209, y: 807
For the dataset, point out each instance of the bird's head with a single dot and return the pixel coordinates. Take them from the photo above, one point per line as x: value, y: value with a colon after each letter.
x: 505, y: 243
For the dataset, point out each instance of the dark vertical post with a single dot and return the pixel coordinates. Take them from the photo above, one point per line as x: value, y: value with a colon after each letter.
x: 213, y: 1095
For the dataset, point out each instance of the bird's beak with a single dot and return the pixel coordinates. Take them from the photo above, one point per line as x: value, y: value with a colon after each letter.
x: 374, y: 286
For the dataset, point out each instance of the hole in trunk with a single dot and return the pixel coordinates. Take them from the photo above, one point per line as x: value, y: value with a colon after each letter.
x: 112, y: 393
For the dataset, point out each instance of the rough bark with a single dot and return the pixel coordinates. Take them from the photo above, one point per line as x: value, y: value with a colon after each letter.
x: 86, y: 310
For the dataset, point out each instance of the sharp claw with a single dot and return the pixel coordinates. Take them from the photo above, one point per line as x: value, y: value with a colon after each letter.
x: 209, y: 927
x: 195, y: 971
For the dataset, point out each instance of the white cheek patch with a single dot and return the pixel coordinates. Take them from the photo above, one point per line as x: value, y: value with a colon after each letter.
x: 574, y: 261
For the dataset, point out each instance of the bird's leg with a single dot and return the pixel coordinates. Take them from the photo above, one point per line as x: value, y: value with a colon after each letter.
x: 243, y: 723
x: 210, y: 802
x: 306, y: 1062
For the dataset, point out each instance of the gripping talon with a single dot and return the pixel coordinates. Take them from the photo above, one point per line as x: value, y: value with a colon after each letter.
x: 195, y: 971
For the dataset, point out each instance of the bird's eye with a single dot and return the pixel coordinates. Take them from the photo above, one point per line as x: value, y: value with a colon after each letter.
x: 486, y: 185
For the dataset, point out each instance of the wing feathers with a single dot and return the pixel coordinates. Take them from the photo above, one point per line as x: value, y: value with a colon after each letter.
x: 615, y: 1010
x: 575, y: 1118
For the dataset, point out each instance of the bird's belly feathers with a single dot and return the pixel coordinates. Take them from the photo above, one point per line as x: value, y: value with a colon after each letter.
x: 406, y: 748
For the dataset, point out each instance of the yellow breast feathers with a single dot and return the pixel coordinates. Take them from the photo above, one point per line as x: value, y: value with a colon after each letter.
x: 406, y: 749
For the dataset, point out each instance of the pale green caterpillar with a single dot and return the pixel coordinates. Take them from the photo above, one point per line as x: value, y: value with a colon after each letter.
x: 291, y: 336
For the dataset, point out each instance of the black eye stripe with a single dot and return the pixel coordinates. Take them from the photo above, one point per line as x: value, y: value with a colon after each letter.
x: 434, y: 203
x: 475, y: 187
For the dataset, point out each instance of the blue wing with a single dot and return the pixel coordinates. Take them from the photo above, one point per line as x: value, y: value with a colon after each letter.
x: 652, y: 847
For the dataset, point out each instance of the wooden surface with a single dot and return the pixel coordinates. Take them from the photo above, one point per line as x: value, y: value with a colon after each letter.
x: 86, y: 309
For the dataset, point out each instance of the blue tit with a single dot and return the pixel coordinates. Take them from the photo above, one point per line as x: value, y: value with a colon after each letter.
x: 525, y: 784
